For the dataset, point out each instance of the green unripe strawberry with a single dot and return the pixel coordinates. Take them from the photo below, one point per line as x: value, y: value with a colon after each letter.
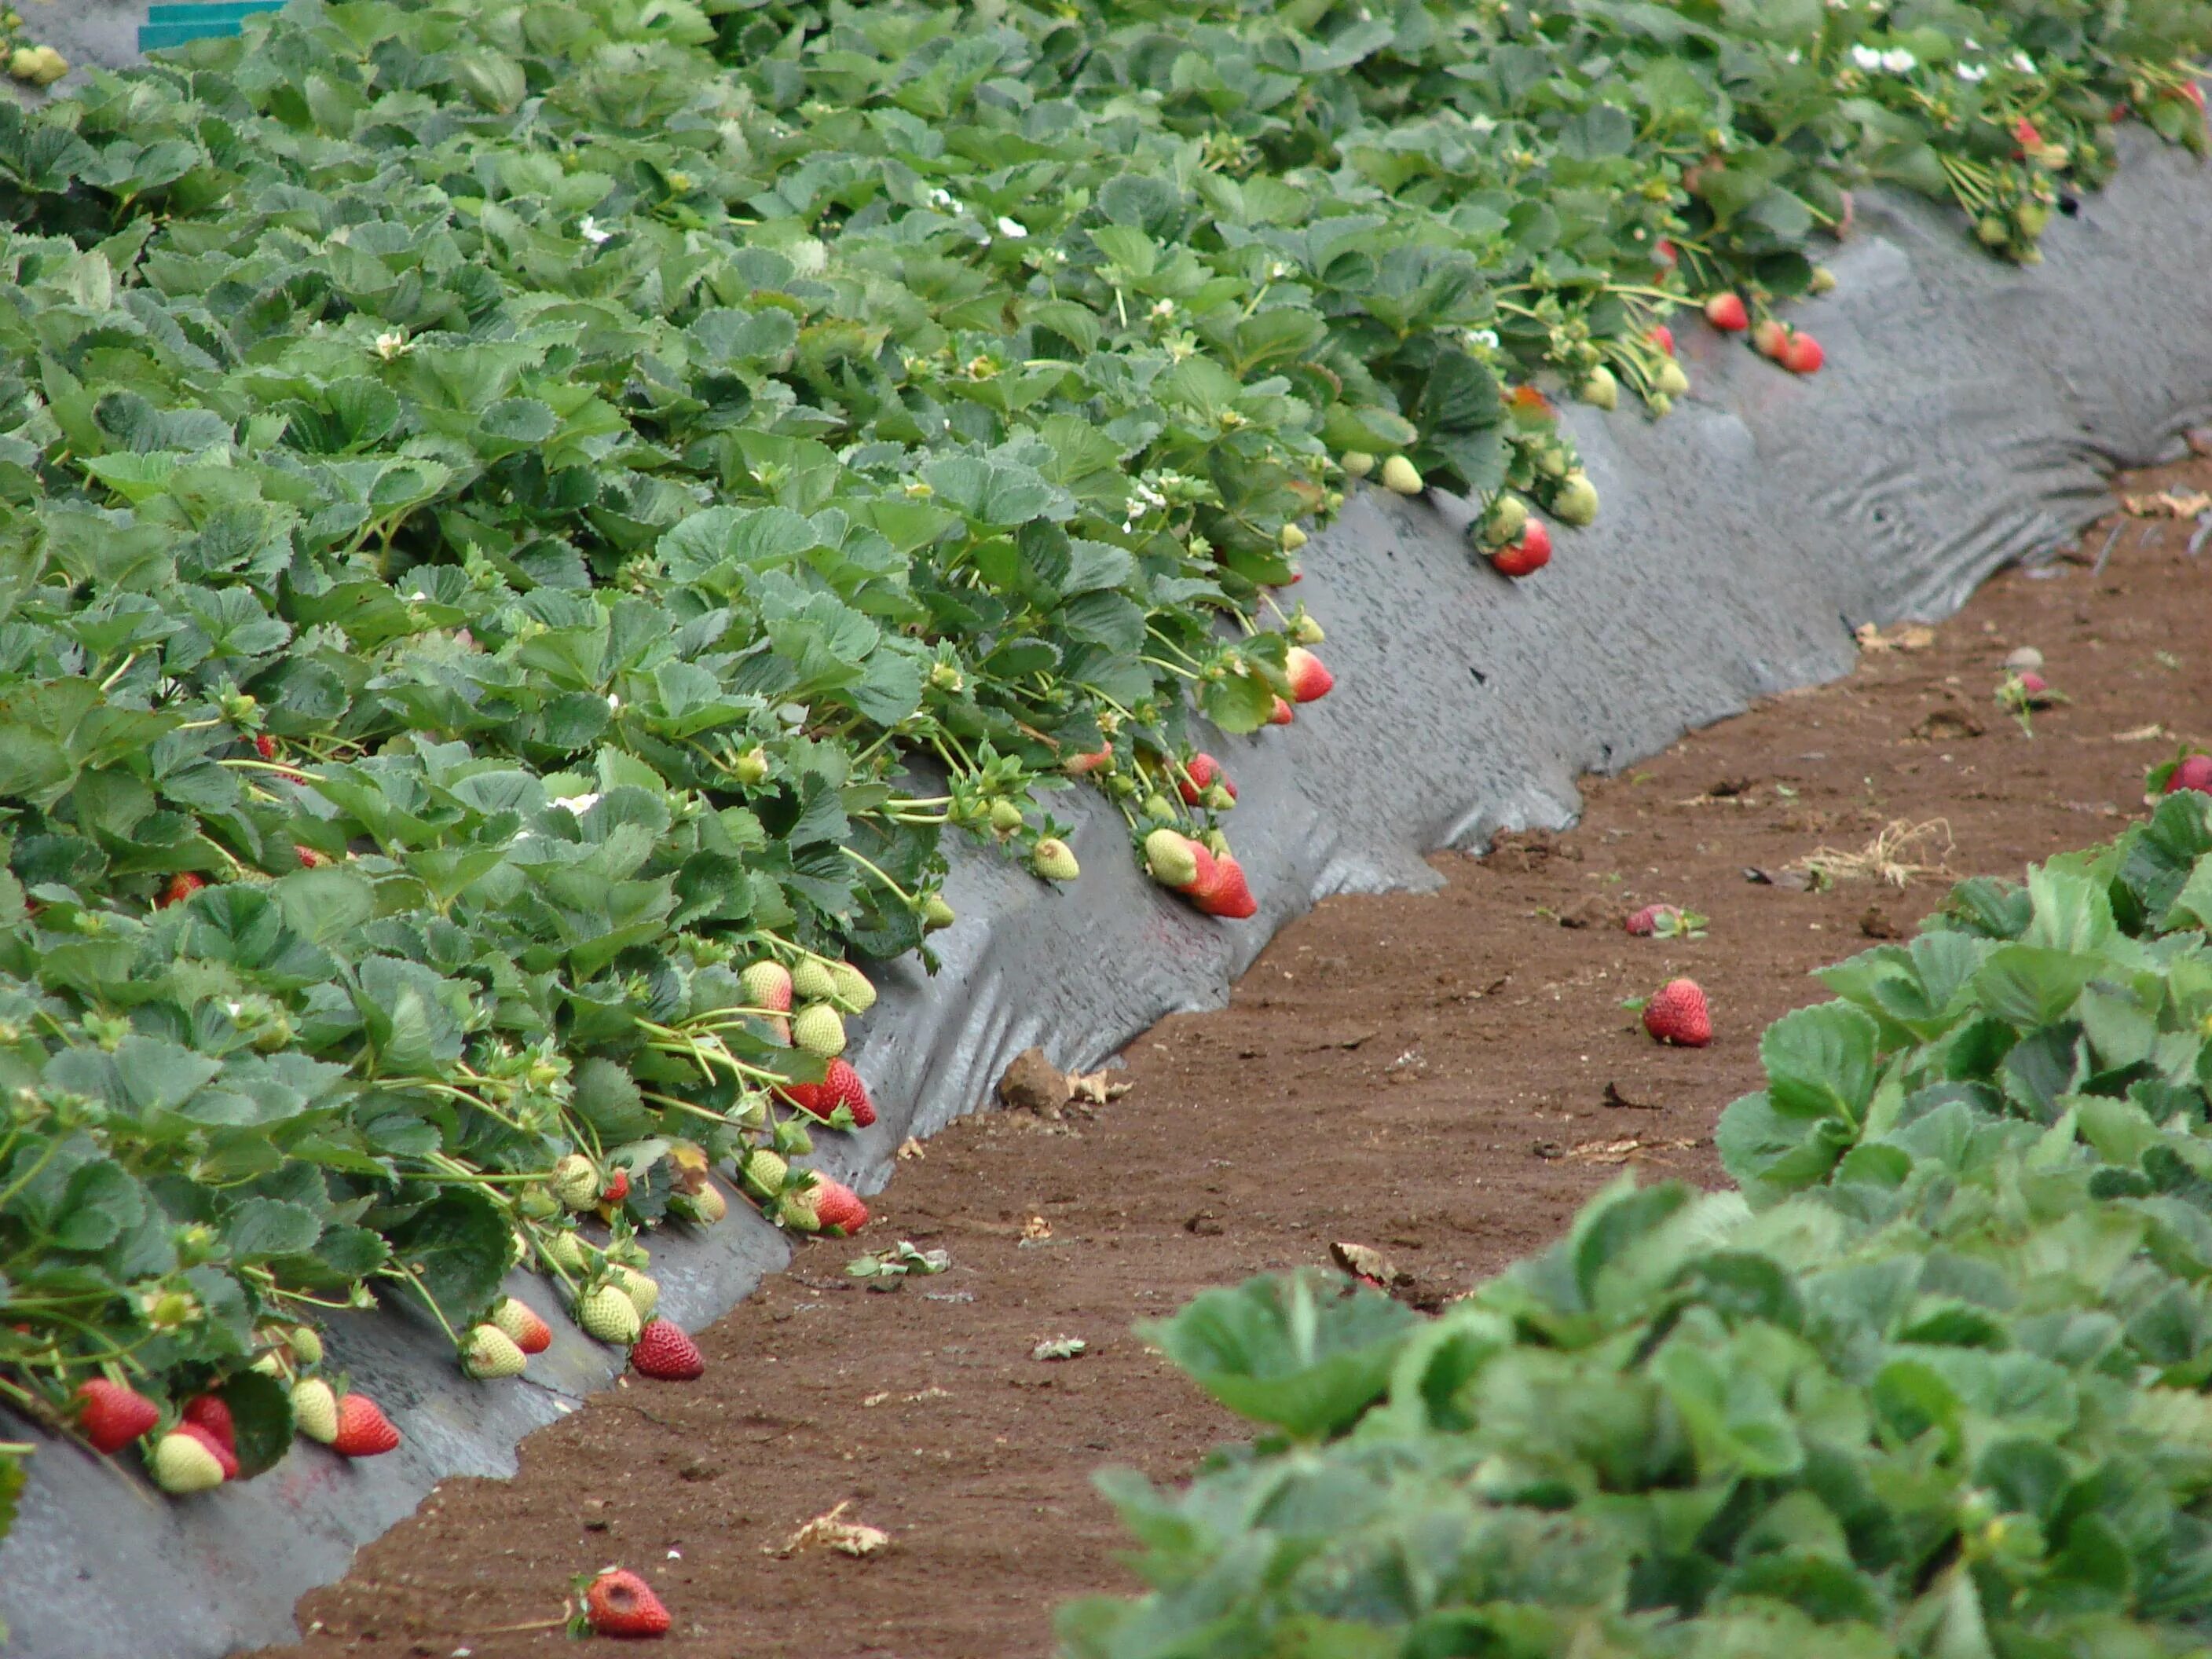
x: 1575, y: 501
x: 1402, y: 477
x: 1293, y: 539
x: 1169, y: 858
x: 1599, y: 388
x: 1507, y: 518
x: 489, y: 1354
x: 765, y: 1172
x: 1005, y: 817
x: 52, y: 66
x: 315, y: 1410
x: 1993, y: 230
x: 305, y: 1343
x: 1659, y: 404
x: 642, y: 1289
x: 182, y: 1464
x: 1670, y: 381
x: 1053, y: 860
x: 812, y: 981
x: 1305, y: 631
x: 1158, y: 805
x: 1552, y: 460
x: 936, y: 914
x: 751, y: 766
x: 1824, y: 281
x: 852, y: 988
x: 791, y: 1138
x: 24, y: 64
x: 817, y: 1029
x: 607, y: 1314
x: 576, y: 1181
x: 1356, y: 463
x: 2031, y: 218
x: 539, y: 1203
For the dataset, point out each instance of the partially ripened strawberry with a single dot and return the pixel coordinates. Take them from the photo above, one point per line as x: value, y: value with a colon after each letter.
x: 182, y: 886
x: 1802, y: 356
x: 1678, y: 1014
x: 363, y: 1429
x: 621, y: 1603
x: 524, y: 1327
x: 841, y: 1085
x: 836, y: 1205
x: 1201, y: 775
x: 1726, y: 312
x: 1660, y: 336
x: 1768, y: 336
x: 224, y: 1456
x: 1529, y: 554
x: 1170, y: 859
x: 663, y: 1352
x: 1222, y: 890
x: 767, y: 985
x: 2191, y: 772
x: 617, y: 1187
x: 111, y: 1416
x: 183, y: 1461
x: 1078, y: 766
x: 211, y: 1413
x: 1309, y: 681
x: 1282, y: 713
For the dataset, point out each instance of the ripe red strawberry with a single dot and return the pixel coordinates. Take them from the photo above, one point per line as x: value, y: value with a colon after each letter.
x: 363, y: 1429
x: 264, y: 745
x: 310, y: 859
x: 841, y: 1085
x: 112, y: 1416
x: 1205, y: 874
x: 1281, y: 713
x: 1660, y: 336
x: 621, y: 1603
x: 1222, y: 891
x: 1527, y: 397
x: 838, y: 1206
x: 1802, y: 356
x: 182, y: 886
x: 2191, y: 772
x: 1727, y: 313
x: 211, y: 1413
x: 1645, y: 922
x: 664, y: 1352
x: 1309, y: 680
x: 1204, y: 773
x: 618, y: 1189
x: 1530, y: 554
x: 1668, y: 256
x: 2193, y: 92
x: 216, y: 1446
x: 1678, y: 1015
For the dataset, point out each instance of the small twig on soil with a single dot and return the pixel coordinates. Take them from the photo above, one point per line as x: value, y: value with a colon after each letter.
x: 1614, y: 1097
x: 2104, y: 552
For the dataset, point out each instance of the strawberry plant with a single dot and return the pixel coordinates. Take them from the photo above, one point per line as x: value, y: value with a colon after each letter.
x: 521, y: 529
x: 1932, y: 1383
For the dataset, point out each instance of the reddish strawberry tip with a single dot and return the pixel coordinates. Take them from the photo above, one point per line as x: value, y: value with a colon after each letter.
x: 222, y: 1452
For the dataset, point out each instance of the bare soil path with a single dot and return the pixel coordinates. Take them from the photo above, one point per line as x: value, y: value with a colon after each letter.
x: 1441, y: 1077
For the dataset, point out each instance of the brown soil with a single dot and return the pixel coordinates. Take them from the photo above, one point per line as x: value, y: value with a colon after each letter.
x: 1444, y: 1078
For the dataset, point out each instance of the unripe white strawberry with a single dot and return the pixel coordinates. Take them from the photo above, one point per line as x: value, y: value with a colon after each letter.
x: 606, y: 1313
x: 489, y: 1352
x: 812, y: 981
x: 1169, y: 858
x: 307, y: 1344
x: 1293, y: 539
x: 315, y: 1410
x: 817, y: 1029
x: 796, y: 1210
x: 852, y: 988
x: 1670, y: 381
x: 1402, y: 477
x: 1599, y: 388
x: 576, y: 1181
x: 563, y: 1249
x: 642, y: 1289
x: 183, y: 1464
x: 936, y: 914
x: 1356, y: 463
x: 1053, y: 860
x: 706, y: 1206
x: 1574, y: 503
x: 765, y: 1171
